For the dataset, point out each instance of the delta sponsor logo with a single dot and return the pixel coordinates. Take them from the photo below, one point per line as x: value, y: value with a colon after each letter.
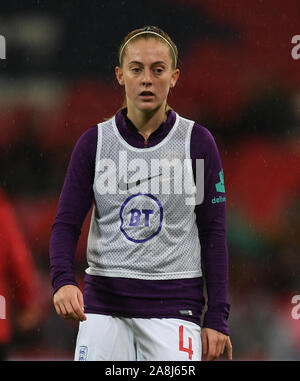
x: 220, y: 188
x: 217, y: 200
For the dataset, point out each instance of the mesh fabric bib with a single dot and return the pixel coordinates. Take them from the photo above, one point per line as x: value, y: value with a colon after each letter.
x: 143, y: 223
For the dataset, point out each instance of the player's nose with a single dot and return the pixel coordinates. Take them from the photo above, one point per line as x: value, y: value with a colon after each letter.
x: 147, y: 77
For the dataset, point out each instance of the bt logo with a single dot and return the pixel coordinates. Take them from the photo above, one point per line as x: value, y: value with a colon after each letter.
x: 141, y: 217
x: 136, y: 216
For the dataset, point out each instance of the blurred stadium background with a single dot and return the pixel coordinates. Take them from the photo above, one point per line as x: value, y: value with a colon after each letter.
x: 238, y: 79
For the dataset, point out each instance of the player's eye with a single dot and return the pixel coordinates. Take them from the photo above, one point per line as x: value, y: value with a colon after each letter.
x: 158, y: 70
x: 135, y: 69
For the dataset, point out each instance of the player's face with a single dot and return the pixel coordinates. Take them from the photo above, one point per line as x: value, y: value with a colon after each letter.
x: 147, y: 74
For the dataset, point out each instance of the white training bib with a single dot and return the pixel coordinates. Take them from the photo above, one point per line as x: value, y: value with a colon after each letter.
x: 143, y: 223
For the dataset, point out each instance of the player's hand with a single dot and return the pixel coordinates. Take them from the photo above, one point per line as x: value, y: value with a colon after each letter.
x: 214, y: 344
x: 68, y: 302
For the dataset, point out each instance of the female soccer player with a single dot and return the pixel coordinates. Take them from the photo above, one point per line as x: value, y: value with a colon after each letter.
x: 151, y: 233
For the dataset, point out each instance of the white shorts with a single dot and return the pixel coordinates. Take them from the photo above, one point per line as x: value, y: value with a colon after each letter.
x: 108, y: 338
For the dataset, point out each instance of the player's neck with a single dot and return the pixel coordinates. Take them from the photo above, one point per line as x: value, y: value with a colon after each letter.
x: 146, y: 123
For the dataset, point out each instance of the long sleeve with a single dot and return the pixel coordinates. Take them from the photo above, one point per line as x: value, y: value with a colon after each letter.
x: 211, y: 222
x: 74, y: 203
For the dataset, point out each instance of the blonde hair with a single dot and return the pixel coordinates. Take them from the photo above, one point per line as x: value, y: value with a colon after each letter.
x: 149, y: 32
x: 146, y: 33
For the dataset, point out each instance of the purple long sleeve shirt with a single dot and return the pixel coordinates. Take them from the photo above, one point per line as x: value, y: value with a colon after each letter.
x: 147, y: 298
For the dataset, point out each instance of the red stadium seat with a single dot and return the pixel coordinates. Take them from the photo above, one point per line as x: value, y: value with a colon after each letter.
x: 261, y: 177
x: 86, y: 104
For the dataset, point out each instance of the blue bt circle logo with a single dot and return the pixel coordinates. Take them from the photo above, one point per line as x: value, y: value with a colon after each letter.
x: 141, y: 217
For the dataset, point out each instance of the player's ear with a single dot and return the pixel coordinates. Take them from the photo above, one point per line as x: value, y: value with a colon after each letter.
x: 175, y: 76
x: 119, y: 75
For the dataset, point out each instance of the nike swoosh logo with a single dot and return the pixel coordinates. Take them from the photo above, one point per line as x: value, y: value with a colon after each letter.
x: 126, y: 186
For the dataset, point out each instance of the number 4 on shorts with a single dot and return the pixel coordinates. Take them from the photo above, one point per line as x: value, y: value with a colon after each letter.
x: 189, y: 350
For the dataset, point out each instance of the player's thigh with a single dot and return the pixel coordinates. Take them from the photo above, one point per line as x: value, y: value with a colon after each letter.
x: 167, y: 340
x: 104, y: 338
